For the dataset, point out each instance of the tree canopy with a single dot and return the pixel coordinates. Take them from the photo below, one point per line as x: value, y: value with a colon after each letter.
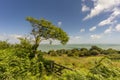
x: 44, y: 29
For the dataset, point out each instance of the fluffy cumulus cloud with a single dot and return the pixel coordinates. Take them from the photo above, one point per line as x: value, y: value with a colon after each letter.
x: 12, y: 38
x: 109, y: 30
x: 74, y: 40
x: 93, y: 28
x: 102, y: 6
x: 85, y: 8
x: 94, y: 36
x: 15, y: 36
x: 59, y: 23
x: 82, y: 30
x: 77, y: 37
x: 117, y: 27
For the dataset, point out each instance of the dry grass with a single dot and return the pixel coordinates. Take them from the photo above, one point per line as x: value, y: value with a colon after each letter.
x: 74, y: 62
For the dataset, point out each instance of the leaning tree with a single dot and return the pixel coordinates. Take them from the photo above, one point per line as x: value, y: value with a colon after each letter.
x: 43, y: 30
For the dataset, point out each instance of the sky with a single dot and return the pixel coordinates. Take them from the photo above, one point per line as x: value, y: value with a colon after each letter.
x: 85, y: 21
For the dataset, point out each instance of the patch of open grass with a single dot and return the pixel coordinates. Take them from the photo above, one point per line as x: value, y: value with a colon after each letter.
x: 74, y: 62
x: 78, y: 62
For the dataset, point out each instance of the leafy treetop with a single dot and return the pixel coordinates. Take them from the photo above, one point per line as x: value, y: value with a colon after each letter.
x: 43, y: 29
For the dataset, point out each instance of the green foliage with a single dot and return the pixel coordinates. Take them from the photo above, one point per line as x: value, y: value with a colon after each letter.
x: 16, y: 67
x: 94, y: 52
x: 60, y: 52
x: 78, y: 75
x: 96, y: 48
x: 70, y: 53
x: 114, y: 56
x: 24, y: 48
x: 4, y: 45
x: 15, y: 62
x: 25, y: 43
x: 53, y: 53
x: 104, y: 69
x: 110, y: 51
x: 84, y: 52
x: 45, y: 29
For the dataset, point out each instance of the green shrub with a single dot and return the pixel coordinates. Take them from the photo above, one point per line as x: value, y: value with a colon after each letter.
x: 70, y: 54
x: 83, y: 52
x: 109, y: 51
x: 94, y: 52
x: 61, y: 52
x: 19, y: 67
x: 103, y: 68
x: 52, y: 53
x: 114, y: 56
x: 78, y: 75
x: 95, y: 48
x: 4, y: 45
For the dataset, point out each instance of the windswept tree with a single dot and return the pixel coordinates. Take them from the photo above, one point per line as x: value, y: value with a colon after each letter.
x: 43, y: 30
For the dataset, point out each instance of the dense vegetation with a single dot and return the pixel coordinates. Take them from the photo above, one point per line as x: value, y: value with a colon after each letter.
x: 16, y: 64
x: 23, y: 61
x: 84, y: 52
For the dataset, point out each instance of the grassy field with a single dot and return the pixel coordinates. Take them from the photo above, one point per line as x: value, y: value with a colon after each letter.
x: 79, y: 62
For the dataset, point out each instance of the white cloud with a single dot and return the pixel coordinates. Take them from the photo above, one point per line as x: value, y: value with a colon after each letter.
x: 105, y: 22
x: 12, y: 38
x: 59, y: 23
x: 102, y: 6
x: 82, y: 39
x: 77, y: 37
x: 109, y: 30
x: 116, y: 12
x: 74, y: 40
x: 85, y: 8
x: 83, y: 0
x: 93, y: 28
x: 110, y: 20
x: 117, y: 27
x: 15, y: 36
x: 95, y: 36
x: 82, y: 30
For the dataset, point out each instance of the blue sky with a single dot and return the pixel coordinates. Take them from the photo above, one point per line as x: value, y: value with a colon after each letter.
x: 85, y: 21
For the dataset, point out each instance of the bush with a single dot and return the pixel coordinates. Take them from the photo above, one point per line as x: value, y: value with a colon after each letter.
x: 4, y: 45
x: 114, y: 56
x: 73, y: 52
x: 109, y: 51
x: 103, y: 68
x: 83, y: 52
x: 60, y: 52
x: 70, y: 54
x: 52, y: 53
x: 78, y: 75
x: 14, y: 67
x: 95, y: 48
x: 94, y: 52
